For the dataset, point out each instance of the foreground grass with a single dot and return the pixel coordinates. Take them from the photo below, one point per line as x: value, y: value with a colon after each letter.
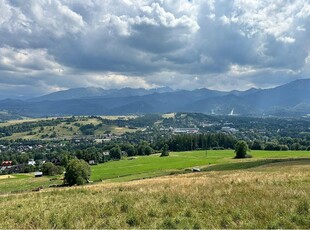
x: 270, y: 196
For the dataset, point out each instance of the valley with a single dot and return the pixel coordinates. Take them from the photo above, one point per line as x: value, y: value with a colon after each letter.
x: 198, y: 183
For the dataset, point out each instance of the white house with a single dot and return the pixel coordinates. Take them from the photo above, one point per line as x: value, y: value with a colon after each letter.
x: 31, y: 162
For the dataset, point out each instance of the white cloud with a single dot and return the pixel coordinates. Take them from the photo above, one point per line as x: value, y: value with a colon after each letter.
x: 286, y: 39
x: 27, y: 60
x: 144, y: 43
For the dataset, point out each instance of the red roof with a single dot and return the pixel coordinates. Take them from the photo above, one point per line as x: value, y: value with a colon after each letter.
x: 6, y: 163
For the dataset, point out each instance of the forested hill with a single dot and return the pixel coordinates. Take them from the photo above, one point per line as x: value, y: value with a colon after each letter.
x: 292, y: 99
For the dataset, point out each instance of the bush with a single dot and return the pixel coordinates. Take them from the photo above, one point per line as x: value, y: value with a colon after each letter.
x: 241, y: 148
x: 165, y: 151
x: 49, y: 169
x: 272, y: 146
x: 257, y: 145
x: 77, y: 172
x: 284, y: 148
x: 28, y: 169
x: 116, y: 153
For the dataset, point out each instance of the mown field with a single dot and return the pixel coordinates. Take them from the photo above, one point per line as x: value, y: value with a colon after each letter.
x: 177, y: 162
x: 142, y: 167
x: 16, y: 183
x: 273, y: 195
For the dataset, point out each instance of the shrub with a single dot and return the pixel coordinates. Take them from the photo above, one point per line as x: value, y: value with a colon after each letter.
x: 50, y: 169
x: 88, y: 129
x: 116, y: 153
x: 241, y: 148
x: 165, y: 151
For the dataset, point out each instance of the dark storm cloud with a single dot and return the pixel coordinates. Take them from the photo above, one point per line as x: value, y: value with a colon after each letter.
x: 53, y: 45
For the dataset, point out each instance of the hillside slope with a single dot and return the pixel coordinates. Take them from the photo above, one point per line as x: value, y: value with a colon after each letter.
x: 247, y: 199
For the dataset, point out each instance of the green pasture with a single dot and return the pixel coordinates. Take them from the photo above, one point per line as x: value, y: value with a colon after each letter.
x: 147, y: 166
x: 62, y: 130
x: 271, y: 196
x: 25, y: 182
x: 153, y: 166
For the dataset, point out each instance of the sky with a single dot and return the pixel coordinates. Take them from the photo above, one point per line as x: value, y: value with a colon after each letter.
x: 51, y: 45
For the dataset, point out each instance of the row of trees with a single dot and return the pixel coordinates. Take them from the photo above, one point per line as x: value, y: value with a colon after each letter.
x: 277, y: 145
x: 186, y: 142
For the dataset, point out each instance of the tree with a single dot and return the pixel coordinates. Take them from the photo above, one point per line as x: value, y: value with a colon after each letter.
x: 50, y: 169
x: 257, y: 145
x: 148, y: 150
x: 77, y: 172
x: 241, y: 148
x: 130, y: 149
x: 88, y: 129
x: 144, y: 148
x: 165, y: 151
x: 116, y: 153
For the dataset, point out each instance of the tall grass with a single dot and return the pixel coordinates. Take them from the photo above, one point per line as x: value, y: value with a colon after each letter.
x: 275, y: 196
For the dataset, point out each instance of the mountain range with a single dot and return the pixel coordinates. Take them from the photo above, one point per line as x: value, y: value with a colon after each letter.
x: 292, y: 99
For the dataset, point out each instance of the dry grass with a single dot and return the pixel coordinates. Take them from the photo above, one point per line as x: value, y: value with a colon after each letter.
x: 3, y: 177
x: 169, y: 115
x: 274, y: 196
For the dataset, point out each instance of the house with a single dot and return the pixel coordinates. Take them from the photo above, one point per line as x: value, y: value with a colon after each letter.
x: 6, y: 163
x: 92, y: 162
x: 229, y: 129
x: 186, y: 130
x: 31, y: 162
x: 99, y: 141
x: 105, y: 156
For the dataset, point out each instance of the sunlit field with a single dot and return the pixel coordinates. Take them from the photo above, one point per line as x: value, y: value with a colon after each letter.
x: 274, y: 195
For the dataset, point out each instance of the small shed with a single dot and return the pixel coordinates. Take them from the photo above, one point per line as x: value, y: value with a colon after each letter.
x: 196, y: 170
x: 38, y: 174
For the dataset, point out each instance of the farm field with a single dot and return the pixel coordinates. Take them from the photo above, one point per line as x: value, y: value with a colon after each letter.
x: 154, y: 166
x: 16, y: 183
x: 274, y: 195
x: 178, y: 161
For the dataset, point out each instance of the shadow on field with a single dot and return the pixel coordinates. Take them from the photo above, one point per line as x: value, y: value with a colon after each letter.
x: 253, y: 164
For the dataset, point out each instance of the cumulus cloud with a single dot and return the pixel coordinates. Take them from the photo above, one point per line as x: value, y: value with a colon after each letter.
x: 51, y: 45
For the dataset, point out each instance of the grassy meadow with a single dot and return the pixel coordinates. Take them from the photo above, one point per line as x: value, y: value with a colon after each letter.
x: 177, y: 162
x: 16, y: 183
x: 64, y: 129
x: 142, y: 167
x: 274, y: 195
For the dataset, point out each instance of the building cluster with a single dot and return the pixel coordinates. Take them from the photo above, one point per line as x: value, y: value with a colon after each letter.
x: 185, y: 130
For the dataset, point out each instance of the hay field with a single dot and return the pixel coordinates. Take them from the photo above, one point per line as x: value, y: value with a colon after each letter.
x: 271, y: 196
